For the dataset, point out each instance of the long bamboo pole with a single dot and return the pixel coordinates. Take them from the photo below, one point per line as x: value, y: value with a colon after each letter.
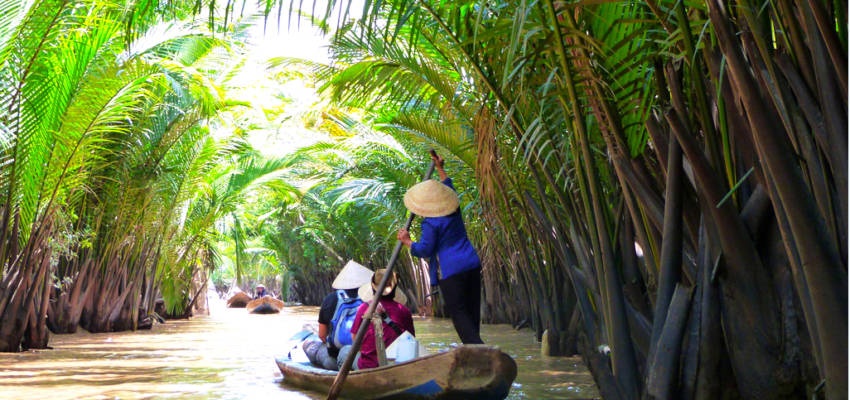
x: 358, y: 340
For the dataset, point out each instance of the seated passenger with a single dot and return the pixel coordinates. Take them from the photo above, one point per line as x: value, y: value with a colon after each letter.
x: 261, y: 291
x: 396, y: 318
x: 336, y: 317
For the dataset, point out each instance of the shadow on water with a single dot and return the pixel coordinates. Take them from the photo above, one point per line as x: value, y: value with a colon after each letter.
x: 230, y: 355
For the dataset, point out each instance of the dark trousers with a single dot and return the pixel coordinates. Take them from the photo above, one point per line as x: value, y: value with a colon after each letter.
x: 462, y: 295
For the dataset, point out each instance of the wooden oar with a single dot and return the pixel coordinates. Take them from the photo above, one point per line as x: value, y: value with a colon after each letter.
x: 364, y: 326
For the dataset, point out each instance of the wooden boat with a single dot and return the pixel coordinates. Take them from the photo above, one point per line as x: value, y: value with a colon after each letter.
x: 264, y: 305
x: 238, y: 300
x: 465, y: 372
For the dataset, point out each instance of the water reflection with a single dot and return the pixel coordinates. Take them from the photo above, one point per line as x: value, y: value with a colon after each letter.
x: 230, y: 355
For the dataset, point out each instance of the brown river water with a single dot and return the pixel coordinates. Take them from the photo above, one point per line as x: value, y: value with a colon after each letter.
x: 230, y: 355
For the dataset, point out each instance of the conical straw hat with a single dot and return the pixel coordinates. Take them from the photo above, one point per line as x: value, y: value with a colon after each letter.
x: 431, y: 198
x: 366, y: 292
x: 352, y: 276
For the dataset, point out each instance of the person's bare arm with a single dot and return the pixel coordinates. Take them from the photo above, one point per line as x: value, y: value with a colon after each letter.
x: 323, y: 332
x: 438, y: 164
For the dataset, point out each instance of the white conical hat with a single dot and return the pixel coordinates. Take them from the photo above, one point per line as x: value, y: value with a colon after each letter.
x: 367, y: 291
x: 431, y: 198
x: 352, y: 276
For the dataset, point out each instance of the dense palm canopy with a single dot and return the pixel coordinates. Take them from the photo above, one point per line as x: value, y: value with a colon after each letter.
x: 112, y: 176
x: 660, y: 186
x: 709, y: 135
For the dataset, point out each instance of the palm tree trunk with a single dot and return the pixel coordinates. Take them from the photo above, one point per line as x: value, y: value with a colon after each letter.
x: 823, y: 269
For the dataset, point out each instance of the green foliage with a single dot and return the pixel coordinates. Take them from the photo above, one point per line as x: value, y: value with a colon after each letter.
x: 567, y: 112
x: 557, y: 120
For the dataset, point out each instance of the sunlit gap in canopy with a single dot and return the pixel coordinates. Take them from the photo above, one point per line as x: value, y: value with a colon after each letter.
x: 276, y: 100
x: 292, y: 34
x: 279, y: 100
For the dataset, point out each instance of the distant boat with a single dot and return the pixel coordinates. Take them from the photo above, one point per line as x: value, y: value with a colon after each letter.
x: 466, y: 372
x: 238, y: 300
x: 265, y: 305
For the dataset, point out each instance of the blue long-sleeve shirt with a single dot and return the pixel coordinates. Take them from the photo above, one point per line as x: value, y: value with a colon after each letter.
x: 445, y: 243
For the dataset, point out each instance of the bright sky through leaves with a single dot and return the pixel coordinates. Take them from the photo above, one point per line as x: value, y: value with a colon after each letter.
x: 284, y: 130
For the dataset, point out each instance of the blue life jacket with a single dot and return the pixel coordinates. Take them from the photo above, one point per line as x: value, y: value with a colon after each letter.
x: 343, y: 319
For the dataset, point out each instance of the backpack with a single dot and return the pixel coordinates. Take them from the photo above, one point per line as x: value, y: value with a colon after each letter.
x: 343, y: 319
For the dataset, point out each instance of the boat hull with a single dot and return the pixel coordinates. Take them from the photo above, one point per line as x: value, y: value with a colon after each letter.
x: 238, y: 300
x: 265, y: 305
x: 465, y: 372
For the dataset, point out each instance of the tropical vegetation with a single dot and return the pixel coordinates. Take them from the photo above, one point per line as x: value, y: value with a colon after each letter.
x: 113, y: 172
x: 659, y: 186
x: 662, y: 180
